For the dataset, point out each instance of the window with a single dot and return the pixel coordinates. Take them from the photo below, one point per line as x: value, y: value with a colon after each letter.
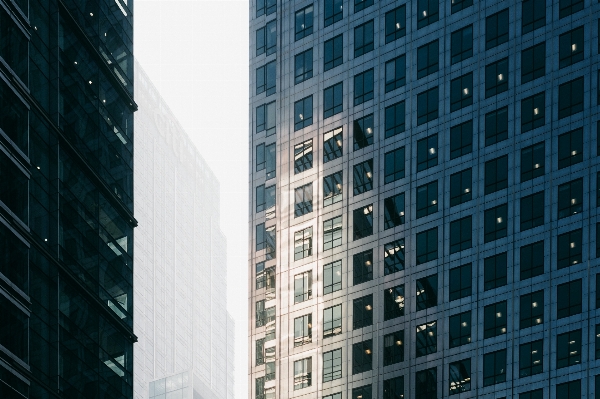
x: 332, y: 277
x: 495, y: 226
x: 460, y: 329
x: 532, y: 260
x: 394, y: 119
x: 394, y: 165
x: 303, y: 113
x: 427, y: 152
x: 427, y: 195
x: 460, y: 234
x: 568, y: 349
x: 303, y: 200
x: 534, y: 15
x: 395, y: 73
x: 531, y: 358
x: 362, y: 356
x: 571, y: 389
x: 532, y: 309
x: 460, y: 376
x: 597, y: 343
x: 334, y: 52
x: 459, y: 5
x: 533, y: 62
x: 393, y: 302
x: 260, y: 351
x: 427, y: 12
x: 393, y: 348
x: 570, y: 148
x: 303, y: 66
x: 304, y: 22
x: 266, y: 38
x: 427, y: 106
x: 363, y: 39
x: 569, y: 248
x: 303, y: 243
x: 260, y: 313
x: 426, y: 384
x: 496, y: 174
x: 427, y: 246
x: 363, y: 177
x: 532, y: 211
x: 332, y: 145
x: 461, y: 92
x: 496, y: 126
x: 333, y: 11
x: 332, y: 321
x: 568, y: 7
x: 364, y: 392
x: 494, y: 271
x: 265, y: 200
x: 260, y: 388
x: 363, y: 87
x: 332, y: 100
x: 303, y: 156
x: 461, y: 139
x: 265, y: 159
x: 302, y: 287
x: 393, y: 257
x: 303, y: 330
x: 393, y: 388
x: 360, y: 5
x: 302, y: 373
x: 393, y: 211
x: 461, y: 44
x: 570, y: 98
x: 265, y: 7
x: 460, y: 282
x: 363, y: 312
x: 570, y: 198
x: 494, y: 320
x: 597, y: 241
x: 334, y: 396
x: 494, y: 368
x: 332, y: 188
x: 266, y: 78
x: 265, y: 118
x: 532, y: 161
x: 261, y: 275
x: 570, y: 299
x: 363, y: 222
x: 496, y: 77
x: 332, y: 365
x: 428, y: 59
x: 496, y: 29
x: 395, y: 24
x: 265, y: 239
x: 597, y: 291
x: 363, y: 132
x: 427, y: 288
x: 363, y: 267
x: 533, y: 112
x: 332, y: 233
x: 426, y: 341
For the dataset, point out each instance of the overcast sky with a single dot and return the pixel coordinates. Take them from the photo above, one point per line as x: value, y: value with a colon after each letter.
x: 196, y: 53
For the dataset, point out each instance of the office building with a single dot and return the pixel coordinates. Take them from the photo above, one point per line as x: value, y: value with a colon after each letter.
x: 425, y: 191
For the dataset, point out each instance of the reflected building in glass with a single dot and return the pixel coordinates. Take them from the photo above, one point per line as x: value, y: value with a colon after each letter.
x: 425, y: 189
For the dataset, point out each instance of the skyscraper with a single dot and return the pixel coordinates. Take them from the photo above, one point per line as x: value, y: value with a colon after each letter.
x: 66, y: 199
x: 425, y: 191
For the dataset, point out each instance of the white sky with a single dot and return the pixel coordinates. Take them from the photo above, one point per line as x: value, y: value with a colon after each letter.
x: 196, y: 53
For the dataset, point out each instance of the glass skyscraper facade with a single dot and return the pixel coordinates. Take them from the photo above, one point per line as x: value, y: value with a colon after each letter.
x: 66, y: 199
x: 425, y: 189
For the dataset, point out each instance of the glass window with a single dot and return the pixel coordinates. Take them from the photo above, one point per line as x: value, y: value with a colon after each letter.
x: 570, y: 299
x: 568, y: 7
x: 332, y: 100
x: 260, y: 351
x: 570, y: 148
x: 427, y: 150
x: 460, y: 329
x: 426, y: 384
x: 393, y: 211
x: 266, y: 38
x: 496, y: 29
x: 428, y: 59
x: 426, y: 340
x: 395, y: 73
x: 394, y: 165
x: 496, y: 77
x: 393, y: 257
x: 14, y: 329
x: 461, y: 46
x: 260, y: 313
x: 332, y: 365
x: 460, y: 187
x: 260, y: 388
x: 496, y: 174
x: 393, y: 388
x: 302, y: 287
x: 363, y: 87
x: 571, y: 389
x: 427, y: 288
x: 570, y: 198
x: 428, y: 12
x: 364, y: 38
x: 533, y: 62
x: 494, y: 368
x: 460, y: 282
x: 334, y: 52
x: 363, y: 312
x: 395, y: 24
x: 363, y: 267
x: 393, y: 302
x: 461, y: 139
x: 303, y: 156
x: 302, y: 373
x: 494, y: 271
x: 332, y: 233
x: 427, y: 195
x: 570, y: 98
x: 427, y: 106
x: 533, y: 112
x: 265, y: 200
x: 332, y: 277
x: 14, y: 189
x: 461, y: 92
x: 332, y: 145
x: 303, y: 113
x: 303, y: 330
x: 460, y: 376
x: 569, y: 248
x: 597, y: 344
x: 337, y: 395
x: 360, y: 5
x: 427, y: 245
x: 532, y: 309
x: 265, y: 118
x: 395, y: 119
x: 568, y: 349
x: 532, y: 260
x: 362, y: 356
x: 496, y: 126
x: 531, y: 358
x: 363, y: 177
x: 364, y: 392
x: 461, y: 234
x: 303, y: 197
x: 532, y: 211
x: 494, y: 319
x: 532, y: 161
x: 261, y: 276
x: 303, y: 243
x: 363, y: 222
x: 534, y: 15
x: 393, y: 348
x: 266, y: 78
x: 332, y: 188
x: 265, y: 7
x: 304, y: 22
x: 363, y: 132
x: 495, y: 223
x: 303, y: 66
x: 459, y: 5
x: 333, y: 11
x: 332, y: 321
x: 265, y: 239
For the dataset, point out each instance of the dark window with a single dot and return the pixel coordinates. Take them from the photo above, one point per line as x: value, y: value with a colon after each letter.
x: 597, y: 344
x: 360, y: 5
x: 568, y: 7
x: 364, y: 392
x: 334, y: 52
x: 302, y: 330
x: 533, y: 112
x: 265, y: 7
x: 460, y: 329
x: 362, y: 312
x: 395, y: 24
x: 393, y: 388
x: 532, y: 309
x: 458, y: 5
x: 460, y: 282
x: 427, y: 12
x: 532, y: 161
x: 568, y: 349
x: 14, y: 328
x: 570, y: 299
x: 332, y: 188
x: 394, y: 165
x: 332, y: 277
x: 495, y: 223
x: 393, y: 211
x: 332, y: 145
x: 569, y: 248
x: 333, y: 11
x: 303, y: 113
x: 496, y: 126
x: 393, y: 257
x: 427, y: 106
x: 461, y: 92
x: 597, y: 241
x: 532, y: 260
x: 362, y: 263
x: 461, y: 139
x: 532, y: 211
x: 531, y: 358
x: 265, y: 118
x: 265, y: 159
x: 460, y: 376
x: 496, y: 174
x: 393, y: 302
x: 534, y: 15
x: 428, y: 59
x: 303, y: 240
x: 363, y: 132
x: 395, y: 73
x: 570, y: 98
x: 426, y: 384
x: 304, y: 22
x: 494, y: 367
x: 427, y: 195
x: 496, y: 29
x: 265, y: 200
x: 303, y: 156
x: 363, y: 222
x: 332, y: 365
x: 393, y: 348
x: 427, y: 150
x: 266, y: 78
x: 494, y: 319
x: 461, y: 44
x: 303, y: 200
x: 364, y: 38
x: 496, y: 77
x: 260, y: 388
x: 302, y: 373
x: 363, y: 177
x: 427, y: 288
x: 570, y: 198
x: 266, y: 38
x: 494, y: 271
x: 261, y: 275
x: 426, y: 340
x: 533, y: 62
x: 461, y: 234
x: 332, y: 233
x: 362, y: 357
x: 260, y: 351
x: 332, y: 100
x: 570, y: 148
x: 303, y: 66
x: 332, y: 321
x: 427, y: 245
x: 571, y: 389
x: 363, y: 87
x: 394, y: 119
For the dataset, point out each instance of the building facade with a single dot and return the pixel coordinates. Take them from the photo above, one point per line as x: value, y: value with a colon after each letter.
x: 425, y: 189
x: 66, y: 199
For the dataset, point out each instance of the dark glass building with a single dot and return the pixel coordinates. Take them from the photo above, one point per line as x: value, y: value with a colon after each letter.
x: 425, y: 190
x: 66, y: 206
